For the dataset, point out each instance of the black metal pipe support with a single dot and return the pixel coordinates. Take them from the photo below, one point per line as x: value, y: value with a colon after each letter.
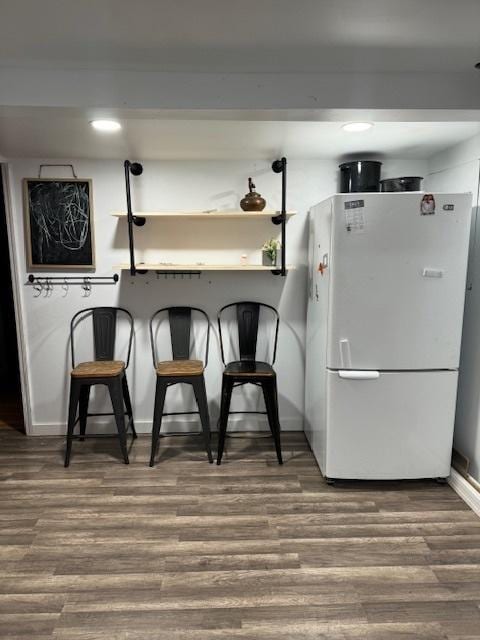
x: 280, y: 166
x: 136, y: 169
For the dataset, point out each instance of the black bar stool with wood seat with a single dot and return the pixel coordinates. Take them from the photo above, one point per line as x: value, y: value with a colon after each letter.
x: 181, y: 369
x: 247, y: 370
x: 103, y: 370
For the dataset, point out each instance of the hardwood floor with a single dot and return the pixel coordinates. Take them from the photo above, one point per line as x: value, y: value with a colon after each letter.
x: 247, y: 550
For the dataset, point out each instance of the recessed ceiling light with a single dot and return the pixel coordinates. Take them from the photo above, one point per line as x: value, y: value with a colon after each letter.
x: 106, y: 125
x: 357, y: 126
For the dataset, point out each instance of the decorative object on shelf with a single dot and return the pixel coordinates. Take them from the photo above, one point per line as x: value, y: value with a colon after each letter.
x: 244, y: 259
x: 58, y: 223
x: 252, y: 201
x: 270, y: 252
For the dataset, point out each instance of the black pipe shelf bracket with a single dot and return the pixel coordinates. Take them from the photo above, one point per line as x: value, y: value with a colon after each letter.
x: 280, y: 166
x: 136, y: 169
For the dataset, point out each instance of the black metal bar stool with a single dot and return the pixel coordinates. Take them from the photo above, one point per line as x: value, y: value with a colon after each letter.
x: 102, y: 370
x: 181, y: 369
x: 247, y: 370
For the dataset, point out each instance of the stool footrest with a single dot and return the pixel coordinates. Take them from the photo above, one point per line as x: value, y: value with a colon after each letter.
x: 103, y: 414
x: 257, y: 413
x: 181, y: 413
x: 179, y: 434
x: 94, y: 435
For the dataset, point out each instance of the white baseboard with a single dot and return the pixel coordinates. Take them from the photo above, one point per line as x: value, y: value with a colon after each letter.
x: 466, y: 490
x: 168, y: 425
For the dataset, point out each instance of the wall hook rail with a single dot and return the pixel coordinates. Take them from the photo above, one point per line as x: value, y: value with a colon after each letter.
x: 280, y: 166
x: 174, y: 274
x: 47, y: 282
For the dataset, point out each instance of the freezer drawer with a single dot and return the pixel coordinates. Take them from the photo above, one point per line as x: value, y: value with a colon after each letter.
x: 383, y: 425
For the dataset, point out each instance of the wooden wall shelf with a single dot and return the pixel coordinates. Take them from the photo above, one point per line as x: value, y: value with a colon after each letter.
x: 206, y: 215
x: 197, y: 267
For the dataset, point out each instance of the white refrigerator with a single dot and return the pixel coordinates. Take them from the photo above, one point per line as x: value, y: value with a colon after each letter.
x: 387, y: 275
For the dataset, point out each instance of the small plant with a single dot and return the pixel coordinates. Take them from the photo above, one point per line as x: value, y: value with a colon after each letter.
x: 270, y: 249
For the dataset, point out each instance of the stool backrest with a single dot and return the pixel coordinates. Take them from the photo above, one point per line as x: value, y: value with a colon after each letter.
x: 181, y: 321
x: 104, y: 325
x: 247, y: 320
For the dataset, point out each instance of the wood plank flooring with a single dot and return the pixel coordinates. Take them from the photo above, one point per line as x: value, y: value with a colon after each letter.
x: 248, y: 550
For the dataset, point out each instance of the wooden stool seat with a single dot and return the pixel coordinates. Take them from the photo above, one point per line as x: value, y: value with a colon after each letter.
x: 249, y: 368
x: 98, y: 369
x: 180, y: 368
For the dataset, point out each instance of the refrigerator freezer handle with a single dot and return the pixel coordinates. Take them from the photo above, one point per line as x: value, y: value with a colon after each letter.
x: 359, y: 375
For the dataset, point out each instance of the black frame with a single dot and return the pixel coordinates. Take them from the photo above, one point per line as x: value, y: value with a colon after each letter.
x: 244, y: 302
x: 92, y: 310
x: 153, y: 342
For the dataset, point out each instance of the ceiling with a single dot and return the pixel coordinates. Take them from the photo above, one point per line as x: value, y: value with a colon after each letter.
x: 63, y: 133
x: 246, y: 36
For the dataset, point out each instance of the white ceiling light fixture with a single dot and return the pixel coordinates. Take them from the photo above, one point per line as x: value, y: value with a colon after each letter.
x: 357, y: 127
x: 108, y: 126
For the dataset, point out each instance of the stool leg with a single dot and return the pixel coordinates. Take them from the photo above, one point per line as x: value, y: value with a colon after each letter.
x: 75, y: 387
x: 83, y: 408
x: 227, y: 386
x: 200, y: 392
x: 160, y: 393
x: 128, y: 403
x: 116, y: 396
x: 271, y: 401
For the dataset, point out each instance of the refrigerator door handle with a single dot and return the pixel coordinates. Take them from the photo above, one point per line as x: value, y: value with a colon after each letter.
x: 359, y: 375
x: 345, y: 355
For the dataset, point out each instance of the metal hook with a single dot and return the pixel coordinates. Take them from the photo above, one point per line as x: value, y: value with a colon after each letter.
x: 46, y: 288
x: 65, y: 288
x: 37, y: 289
x: 87, y: 287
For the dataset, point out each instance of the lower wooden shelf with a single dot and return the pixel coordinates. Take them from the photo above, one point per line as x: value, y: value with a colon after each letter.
x: 198, y: 267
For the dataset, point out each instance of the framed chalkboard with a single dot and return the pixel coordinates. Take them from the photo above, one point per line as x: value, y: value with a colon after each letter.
x: 59, y: 223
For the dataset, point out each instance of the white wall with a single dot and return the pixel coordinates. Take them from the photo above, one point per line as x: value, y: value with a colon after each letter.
x: 176, y: 185
x: 457, y: 169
